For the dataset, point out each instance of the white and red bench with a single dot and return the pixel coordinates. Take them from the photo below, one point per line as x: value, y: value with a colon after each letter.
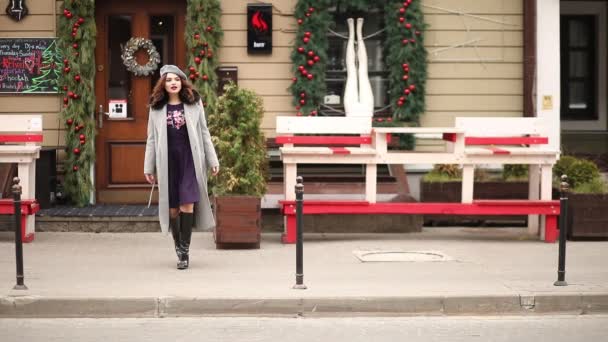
x: 326, y: 137
x: 20, y: 140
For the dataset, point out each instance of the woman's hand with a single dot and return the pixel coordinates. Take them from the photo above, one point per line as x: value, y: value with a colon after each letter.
x: 215, y: 170
x: 150, y: 178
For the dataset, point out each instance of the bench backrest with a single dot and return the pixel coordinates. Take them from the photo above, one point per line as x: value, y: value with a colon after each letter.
x: 323, y: 130
x: 504, y: 130
x: 19, y: 129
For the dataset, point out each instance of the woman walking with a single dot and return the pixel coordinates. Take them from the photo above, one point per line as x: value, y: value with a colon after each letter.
x: 178, y: 153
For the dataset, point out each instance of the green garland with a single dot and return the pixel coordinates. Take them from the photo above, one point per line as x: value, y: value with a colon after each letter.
x: 76, y: 34
x: 405, y: 54
x: 203, y: 39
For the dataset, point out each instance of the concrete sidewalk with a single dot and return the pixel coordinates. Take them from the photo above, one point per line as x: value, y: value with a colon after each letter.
x: 484, y: 271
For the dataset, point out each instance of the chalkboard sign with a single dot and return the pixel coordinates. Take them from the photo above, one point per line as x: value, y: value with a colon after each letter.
x: 29, y: 65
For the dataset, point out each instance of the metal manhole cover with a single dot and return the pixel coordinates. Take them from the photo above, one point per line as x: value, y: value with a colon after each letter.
x: 400, y: 256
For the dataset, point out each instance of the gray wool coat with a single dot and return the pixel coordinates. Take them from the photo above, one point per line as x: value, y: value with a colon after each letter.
x: 203, y: 154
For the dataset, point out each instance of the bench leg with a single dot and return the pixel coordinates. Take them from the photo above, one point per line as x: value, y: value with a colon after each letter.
x: 289, y: 235
x: 546, y: 173
x: 468, y: 173
x: 533, y: 194
x: 551, y: 231
x: 370, y: 183
x: 27, y: 176
x: 290, y: 172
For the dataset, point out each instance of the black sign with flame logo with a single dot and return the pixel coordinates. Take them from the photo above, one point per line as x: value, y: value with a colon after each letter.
x: 259, y: 28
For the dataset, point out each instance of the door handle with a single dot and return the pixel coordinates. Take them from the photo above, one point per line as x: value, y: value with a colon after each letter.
x: 100, y: 114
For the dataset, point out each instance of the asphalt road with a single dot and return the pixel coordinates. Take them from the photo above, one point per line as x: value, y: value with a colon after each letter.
x: 352, y: 329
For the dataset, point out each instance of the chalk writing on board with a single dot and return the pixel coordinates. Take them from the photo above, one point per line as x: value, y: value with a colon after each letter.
x: 29, y: 65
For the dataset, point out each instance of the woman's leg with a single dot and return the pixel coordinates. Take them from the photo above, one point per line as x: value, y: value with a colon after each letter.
x: 366, y: 97
x: 186, y: 223
x: 175, y: 231
x: 350, y: 88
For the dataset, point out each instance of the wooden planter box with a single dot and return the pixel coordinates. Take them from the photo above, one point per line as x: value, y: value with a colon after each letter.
x: 238, y: 221
x: 587, y: 216
x: 451, y: 192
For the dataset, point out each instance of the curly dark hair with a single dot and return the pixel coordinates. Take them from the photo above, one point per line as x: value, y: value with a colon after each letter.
x: 159, y: 96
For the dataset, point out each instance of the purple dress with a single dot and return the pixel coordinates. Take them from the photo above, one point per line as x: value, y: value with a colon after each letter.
x: 183, y: 187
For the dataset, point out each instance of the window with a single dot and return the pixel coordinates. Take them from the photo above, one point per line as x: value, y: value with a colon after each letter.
x: 336, y: 65
x: 579, y: 67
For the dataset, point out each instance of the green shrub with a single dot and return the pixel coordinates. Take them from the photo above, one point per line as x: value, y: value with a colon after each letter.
x: 596, y: 186
x: 581, y: 172
x: 583, y: 175
x: 514, y: 172
x: 563, y: 165
x: 443, y: 173
x: 241, y: 147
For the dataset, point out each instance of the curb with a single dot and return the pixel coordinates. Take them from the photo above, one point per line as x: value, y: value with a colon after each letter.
x: 50, y: 307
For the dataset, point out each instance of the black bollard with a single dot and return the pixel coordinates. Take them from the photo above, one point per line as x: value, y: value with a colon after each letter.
x: 18, y: 242
x: 299, y: 227
x: 563, y: 227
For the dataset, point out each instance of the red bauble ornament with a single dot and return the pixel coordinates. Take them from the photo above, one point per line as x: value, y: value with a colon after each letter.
x: 307, y: 14
x: 69, y: 122
x: 65, y: 88
x: 82, y: 142
x: 405, y: 77
x: 408, y: 26
x: 81, y: 137
x: 75, y: 45
x: 302, y: 102
x: 401, y: 19
x: 412, y: 87
x: 209, y: 28
x: 317, y: 58
x: 311, y: 9
x: 192, y: 76
x: 301, y: 67
x: 305, y: 40
x: 198, y: 74
x: 197, y: 36
x: 205, y: 77
x: 304, y: 72
x: 192, y: 69
x: 311, y: 53
x: 297, y: 107
x: 405, y: 65
x: 307, y: 34
x: 310, y: 76
x: 65, y: 100
x: 300, y: 21
x: 65, y: 61
x: 75, y: 97
x: 294, y: 79
x: 311, y: 62
x: 70, y: 94
x: 389, y: 119
x: 402, y: 10
x: 66, y: 69
x: 65, y: 11
x: 313, y: 113
x: 407, y: 91
x: 402, y: 99
x: 412, y: 40
x: 299, y: 113
x: 77, y: 78
x: 209, y: 55
x: 205, y: 44
x: 76, y: 150
x: 301, y: 49
x: 202, y: 53
x: 302, y: 95
x: 399, y: 103
x: 80, y: 21
x: 74, y: 34
x: 197, y: 60
x: 69, y: 15
x: 405, y: 41
x: 417, y: 33
x: 75, y: 168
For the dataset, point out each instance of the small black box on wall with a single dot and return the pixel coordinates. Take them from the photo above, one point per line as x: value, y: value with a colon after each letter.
x: 259, y: 28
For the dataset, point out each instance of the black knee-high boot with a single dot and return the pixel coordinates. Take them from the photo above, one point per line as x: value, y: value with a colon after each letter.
x: 186, y: 222
x: 175, y: 231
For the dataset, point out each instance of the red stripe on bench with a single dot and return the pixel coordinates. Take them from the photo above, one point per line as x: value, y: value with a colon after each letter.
x: 497, y: 150
x: 339, y: 150
x: 449, y: 137
x: 324, y: 140
x: 4, y: 138
x: 505, y: 140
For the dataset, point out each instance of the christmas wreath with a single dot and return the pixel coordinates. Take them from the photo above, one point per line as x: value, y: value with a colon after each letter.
x: 128, y: 56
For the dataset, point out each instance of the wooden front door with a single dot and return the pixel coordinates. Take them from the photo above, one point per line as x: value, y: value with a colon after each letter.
x: 122, y: 97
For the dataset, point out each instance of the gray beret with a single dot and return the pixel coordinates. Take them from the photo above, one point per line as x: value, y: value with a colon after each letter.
x: 169, y: 68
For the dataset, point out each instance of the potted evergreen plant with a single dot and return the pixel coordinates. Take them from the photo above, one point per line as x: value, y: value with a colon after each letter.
x: 241, y: 182
x: 587, y: 198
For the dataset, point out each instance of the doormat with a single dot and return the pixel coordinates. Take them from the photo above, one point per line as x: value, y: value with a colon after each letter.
x: 400, y: 256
